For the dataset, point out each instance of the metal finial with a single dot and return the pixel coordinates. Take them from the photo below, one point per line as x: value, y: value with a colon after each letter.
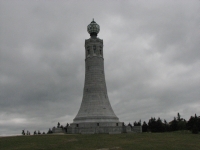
x: 93, y: 19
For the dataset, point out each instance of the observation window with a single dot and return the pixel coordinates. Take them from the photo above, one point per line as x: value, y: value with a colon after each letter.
x: 94, y: 47
x: 88, y: 50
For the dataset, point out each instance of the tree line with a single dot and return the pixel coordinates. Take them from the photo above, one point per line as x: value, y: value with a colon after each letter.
x: 153, y: 125
x: 50, y: 131
x: 178, y: 123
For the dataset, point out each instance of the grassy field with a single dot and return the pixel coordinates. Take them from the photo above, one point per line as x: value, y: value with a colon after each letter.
x: 140, y: 141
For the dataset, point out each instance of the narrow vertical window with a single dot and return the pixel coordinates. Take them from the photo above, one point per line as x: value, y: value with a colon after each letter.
x: 100, y: 51
x: 94, y: 48
x: 116, y: 124
x: 76, y: 125
x: 88, y: 50
x: 97, y: 124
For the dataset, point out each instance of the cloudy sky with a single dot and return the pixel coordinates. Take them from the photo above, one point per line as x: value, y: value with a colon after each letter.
x: 151, y: 56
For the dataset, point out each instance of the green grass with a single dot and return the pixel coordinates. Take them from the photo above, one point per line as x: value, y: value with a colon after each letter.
x: 141, y: 141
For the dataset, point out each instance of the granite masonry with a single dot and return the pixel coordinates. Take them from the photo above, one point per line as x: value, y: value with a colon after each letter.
x: 95, y: 114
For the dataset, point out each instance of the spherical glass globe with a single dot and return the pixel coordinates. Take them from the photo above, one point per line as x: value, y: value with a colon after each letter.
x: 93, y: 28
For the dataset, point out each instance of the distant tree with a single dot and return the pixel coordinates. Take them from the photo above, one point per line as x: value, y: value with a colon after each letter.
x: 58, y: 126
x: 192, y: 122
x: 174, y: 125
x: 156, y: 125
x: 178, y: 117
x: 39, y: 132
x: 50, y: 131
x: 159, y: 125
x: 137, y: 123
x: 166, y: 126
x: 144, y: 127
x: 61, y: 126
x: 65, y: 128
x: 23, y: 132
x: 195, y: 115
x: 198, y: 123
x: 130, y: 125
x: 182, y: 124
x: 43, y: 133
x: 152, y: 125
x: 35, y: 133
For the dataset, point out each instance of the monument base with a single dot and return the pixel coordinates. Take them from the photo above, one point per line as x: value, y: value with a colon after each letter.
x: 102, y: 128
x: 95, y: 128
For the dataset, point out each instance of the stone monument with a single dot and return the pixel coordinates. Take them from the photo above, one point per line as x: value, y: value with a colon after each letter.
x: 95, y: 114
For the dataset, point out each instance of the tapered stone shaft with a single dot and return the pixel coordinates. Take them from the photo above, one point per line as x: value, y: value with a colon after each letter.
x: 95, y: 106
x: 95, y: 114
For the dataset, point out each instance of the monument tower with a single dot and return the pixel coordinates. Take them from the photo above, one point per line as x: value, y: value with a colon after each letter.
x: 95, y: 114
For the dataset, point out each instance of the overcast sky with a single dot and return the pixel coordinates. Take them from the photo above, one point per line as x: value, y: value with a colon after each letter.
x: 151, y: 56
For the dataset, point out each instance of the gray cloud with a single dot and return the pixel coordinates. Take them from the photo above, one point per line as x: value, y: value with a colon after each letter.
x: 151, y: 51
